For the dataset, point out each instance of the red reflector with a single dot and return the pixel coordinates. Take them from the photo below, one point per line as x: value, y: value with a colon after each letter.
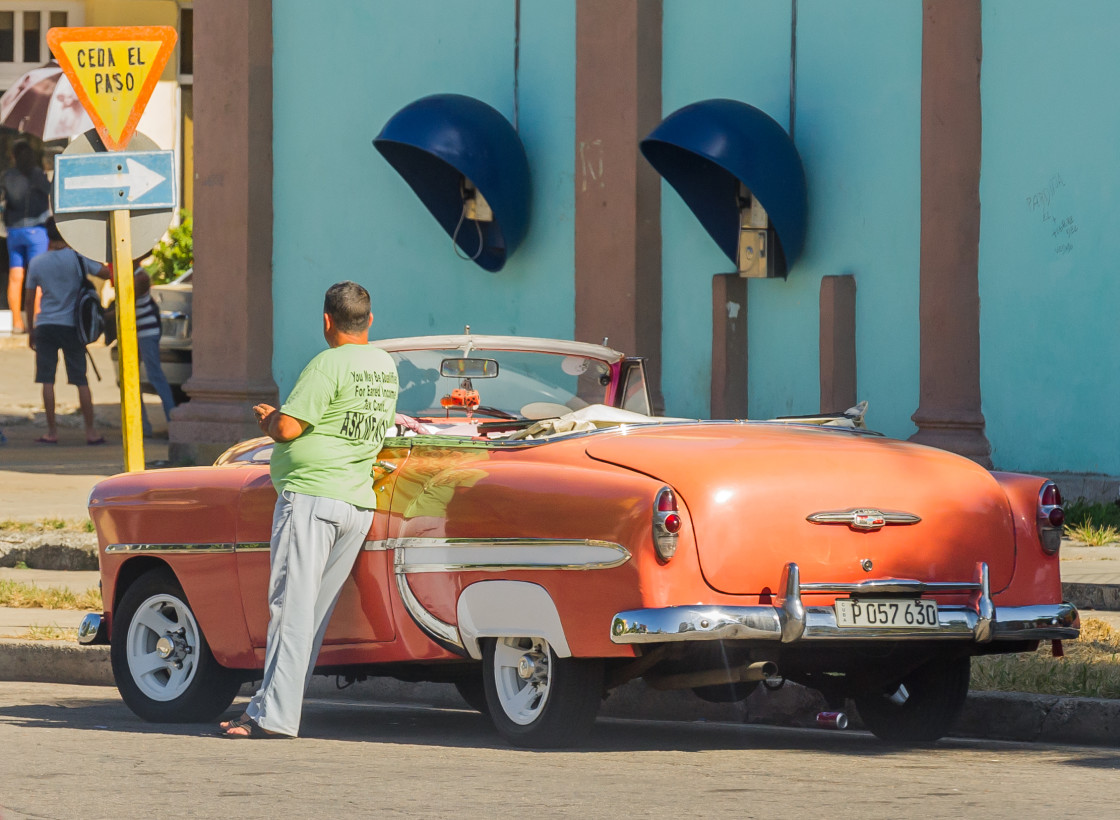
x: 666, y: 501
x: 672, y: 523
x: 1051, y: 497
x: 1057, y: 517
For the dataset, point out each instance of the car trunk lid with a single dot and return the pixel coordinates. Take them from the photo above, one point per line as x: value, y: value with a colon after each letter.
x: 750, y: 490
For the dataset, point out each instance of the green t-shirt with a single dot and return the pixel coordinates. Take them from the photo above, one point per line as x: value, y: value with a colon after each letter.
x: 348, y: 397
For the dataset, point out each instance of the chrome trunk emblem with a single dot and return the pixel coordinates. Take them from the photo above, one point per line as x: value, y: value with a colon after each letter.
x: 863, y: 519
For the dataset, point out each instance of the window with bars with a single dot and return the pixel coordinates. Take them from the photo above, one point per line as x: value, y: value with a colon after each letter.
x: 23, y: 30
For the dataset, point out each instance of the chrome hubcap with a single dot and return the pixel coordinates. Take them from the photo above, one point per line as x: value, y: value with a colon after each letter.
x: 522, y: 674
x: 160, y: 647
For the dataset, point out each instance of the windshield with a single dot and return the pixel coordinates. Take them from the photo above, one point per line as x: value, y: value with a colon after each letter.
x: 527, y: 385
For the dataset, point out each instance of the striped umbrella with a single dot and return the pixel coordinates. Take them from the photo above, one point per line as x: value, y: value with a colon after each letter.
x: 43, y: 103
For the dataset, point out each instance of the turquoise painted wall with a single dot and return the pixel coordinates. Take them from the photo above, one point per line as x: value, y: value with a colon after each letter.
x: 341, y: 70
x: 1050, y: 338
x: 857, y: 128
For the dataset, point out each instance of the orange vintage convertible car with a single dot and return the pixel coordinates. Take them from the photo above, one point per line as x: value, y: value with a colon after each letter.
x: 545, y: 540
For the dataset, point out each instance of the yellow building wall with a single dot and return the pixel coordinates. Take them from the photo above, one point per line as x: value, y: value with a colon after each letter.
x: 136, y: 13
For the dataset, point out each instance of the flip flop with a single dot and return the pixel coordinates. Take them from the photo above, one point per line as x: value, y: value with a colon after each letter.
x: 241, y: 720
x: 96, y: 441
x: 45, y: 440
x: 252, y: 731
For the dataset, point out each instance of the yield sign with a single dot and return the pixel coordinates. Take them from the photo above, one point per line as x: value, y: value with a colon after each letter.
x: 114, y: 71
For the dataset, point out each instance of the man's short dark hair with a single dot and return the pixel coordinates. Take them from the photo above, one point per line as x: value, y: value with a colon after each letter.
x: 52, y: 231
x: 348, y: 305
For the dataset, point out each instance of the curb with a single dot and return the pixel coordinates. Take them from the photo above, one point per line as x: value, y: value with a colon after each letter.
x: 987, y: 715
x: 1092, y: 596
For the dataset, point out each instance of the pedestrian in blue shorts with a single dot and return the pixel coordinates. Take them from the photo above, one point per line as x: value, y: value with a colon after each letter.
x: 25, y: 191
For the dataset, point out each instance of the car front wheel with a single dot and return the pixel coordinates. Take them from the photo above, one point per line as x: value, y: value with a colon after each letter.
x: 162, y: 664
x: 924, y: 706
x: 536, y: 699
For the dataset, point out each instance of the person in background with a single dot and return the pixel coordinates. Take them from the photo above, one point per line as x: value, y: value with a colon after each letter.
x: 25, y: 191
x: 148, y: 332
x: 57, y: 275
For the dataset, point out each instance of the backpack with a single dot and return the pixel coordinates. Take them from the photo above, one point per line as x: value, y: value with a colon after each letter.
x: 89, y: 317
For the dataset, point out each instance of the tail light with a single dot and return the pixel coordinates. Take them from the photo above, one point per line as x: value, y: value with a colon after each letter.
x: 666, y: 523
x: 1051, y: 517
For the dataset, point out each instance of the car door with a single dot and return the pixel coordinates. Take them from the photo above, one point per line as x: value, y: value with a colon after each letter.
x: 363, y: 614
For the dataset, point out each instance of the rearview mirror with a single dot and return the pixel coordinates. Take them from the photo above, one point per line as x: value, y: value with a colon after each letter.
x: 469, y: 368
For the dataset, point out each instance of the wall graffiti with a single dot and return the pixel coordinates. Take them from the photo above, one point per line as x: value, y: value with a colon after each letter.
x: 1043, y: 202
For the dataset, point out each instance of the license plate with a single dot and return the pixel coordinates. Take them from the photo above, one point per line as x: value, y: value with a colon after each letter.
x: 886, y: 614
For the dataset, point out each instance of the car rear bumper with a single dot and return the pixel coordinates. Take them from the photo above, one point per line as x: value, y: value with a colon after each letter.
x: 791, y: 621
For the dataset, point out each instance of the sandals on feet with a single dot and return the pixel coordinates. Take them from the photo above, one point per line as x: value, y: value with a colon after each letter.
x: 250, y: 730
x: 226, y: 725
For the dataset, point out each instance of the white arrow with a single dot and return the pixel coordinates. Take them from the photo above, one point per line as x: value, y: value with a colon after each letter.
x: 139, y: 179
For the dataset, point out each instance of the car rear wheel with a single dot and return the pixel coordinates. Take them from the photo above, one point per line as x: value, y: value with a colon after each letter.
x: 162, y: 664
x: 536, y: 699
x: 925, y: 705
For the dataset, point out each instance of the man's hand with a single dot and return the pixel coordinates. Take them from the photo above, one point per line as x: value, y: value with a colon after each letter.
x: 409, y: 423
x: 276, y: 425
x: 263, y: 412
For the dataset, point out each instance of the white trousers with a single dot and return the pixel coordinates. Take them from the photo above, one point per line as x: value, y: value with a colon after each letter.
x: 315, y: 542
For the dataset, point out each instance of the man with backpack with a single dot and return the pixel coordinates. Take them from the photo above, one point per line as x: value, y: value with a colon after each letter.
x: 59, y: 275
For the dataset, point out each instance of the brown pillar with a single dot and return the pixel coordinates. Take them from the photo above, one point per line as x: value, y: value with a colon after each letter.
x: 838, y: 343
x: 729, y: 346
x: 232, y: 309
x: 948, y: 414
x: 618, y: 194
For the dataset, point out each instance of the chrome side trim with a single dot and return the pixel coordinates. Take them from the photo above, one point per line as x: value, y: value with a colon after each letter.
x: 793, y: 622
x: 252, y: 546
x: 504, y: 554
x: 209, y: 549
x: 429, y: 623
x: 382, y: 545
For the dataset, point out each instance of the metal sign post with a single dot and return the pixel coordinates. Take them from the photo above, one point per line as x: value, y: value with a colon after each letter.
x: 113, y: 71
x: 127, y: 349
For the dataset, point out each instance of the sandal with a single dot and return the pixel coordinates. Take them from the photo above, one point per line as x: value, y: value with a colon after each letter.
x: 241, y: 720
x: 251, y: 730
x: 45, y: 440
x: 96, y: 441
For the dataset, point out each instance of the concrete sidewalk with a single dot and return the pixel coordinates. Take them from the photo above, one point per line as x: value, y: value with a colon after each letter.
x: 40, y: 481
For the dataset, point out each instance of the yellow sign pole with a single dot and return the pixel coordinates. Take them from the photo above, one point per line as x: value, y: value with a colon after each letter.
x: 132, y: 431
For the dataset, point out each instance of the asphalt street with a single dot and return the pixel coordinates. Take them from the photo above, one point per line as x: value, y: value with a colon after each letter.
x: 82, y: 754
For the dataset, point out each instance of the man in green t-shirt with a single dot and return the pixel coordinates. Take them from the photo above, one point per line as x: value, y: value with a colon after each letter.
x: 328, y: 434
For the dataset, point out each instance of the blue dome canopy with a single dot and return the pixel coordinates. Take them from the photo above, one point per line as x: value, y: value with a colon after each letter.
x: 706, y: 149
x: 436, y: 141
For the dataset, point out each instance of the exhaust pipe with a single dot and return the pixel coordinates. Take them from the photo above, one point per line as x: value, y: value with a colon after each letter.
x: 760, y: 670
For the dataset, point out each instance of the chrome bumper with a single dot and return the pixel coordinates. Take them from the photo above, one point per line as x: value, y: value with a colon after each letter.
x: 791, y: 621
x: 92, y: 630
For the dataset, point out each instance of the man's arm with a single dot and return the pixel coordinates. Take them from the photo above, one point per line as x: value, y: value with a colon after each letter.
x: 278, y: 426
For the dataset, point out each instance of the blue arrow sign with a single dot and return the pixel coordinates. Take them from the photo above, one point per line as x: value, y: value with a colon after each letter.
x: 115, y: 181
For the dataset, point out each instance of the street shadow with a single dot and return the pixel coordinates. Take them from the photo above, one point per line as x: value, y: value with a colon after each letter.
x: 419, y: 725
x: 1095, y: 762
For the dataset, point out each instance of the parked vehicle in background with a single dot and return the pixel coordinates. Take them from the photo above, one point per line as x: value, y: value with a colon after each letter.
x: 545, y: 540
x: 174, y: 300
